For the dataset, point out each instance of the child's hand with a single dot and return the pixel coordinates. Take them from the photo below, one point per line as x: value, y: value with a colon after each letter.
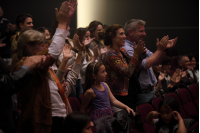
x: 176, y: 116
x: 154, y: 114
x: 130, y: 110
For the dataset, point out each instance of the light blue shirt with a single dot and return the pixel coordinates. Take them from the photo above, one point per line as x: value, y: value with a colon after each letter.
x: 146, y: 77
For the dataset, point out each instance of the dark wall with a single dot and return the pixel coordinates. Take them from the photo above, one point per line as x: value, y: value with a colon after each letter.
x: 43, y: 11
x: 176, y: 18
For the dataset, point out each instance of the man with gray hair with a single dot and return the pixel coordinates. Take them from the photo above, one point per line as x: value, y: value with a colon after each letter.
x: 135, y: 31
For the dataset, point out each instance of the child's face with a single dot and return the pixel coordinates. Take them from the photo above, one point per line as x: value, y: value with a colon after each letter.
x: 87, y: 128
x: 101, y: 76
x: 166, y: 114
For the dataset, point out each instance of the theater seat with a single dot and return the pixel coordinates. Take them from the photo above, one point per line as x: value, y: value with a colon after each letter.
x: 194, y: 91
x: 75, y: 104
x: 187, y: 102
x: 155, y: 102
x: 144, y: 110
x: 182, y: 111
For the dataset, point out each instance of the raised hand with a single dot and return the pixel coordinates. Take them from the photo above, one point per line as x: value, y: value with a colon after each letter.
x: 154, y: 114
x: 66, y: 11
x: 87, y: 42
x: 104, y: 50
x: 162, y: 76
x: 67, y: 54
x: 171, y: 43
x: 176, y: 116
x: 76, y: 41
x: 35, y: 61
x: 11, y: 27
x: 162, y: 44
x: 139, y: 48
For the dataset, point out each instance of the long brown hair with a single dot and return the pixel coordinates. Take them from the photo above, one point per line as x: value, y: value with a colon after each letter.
x: 81, y: 33
x: 91, y: 69
x: 109, y: 33
x: 26, y: 37
x: 92, y: 27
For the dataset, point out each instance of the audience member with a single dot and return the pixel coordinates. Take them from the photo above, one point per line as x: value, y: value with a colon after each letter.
x: 193, y: 69
x: 168, y: 120
x: 45, y: 31
x: 77, y: 122
x: 6, y: 31
x: 95, y: 27
x: 98, y: 94
x: 135, y: 31
x: 44, y: 105
x: 11, y: 84
x: 23, y: 21
x: 119, y: 65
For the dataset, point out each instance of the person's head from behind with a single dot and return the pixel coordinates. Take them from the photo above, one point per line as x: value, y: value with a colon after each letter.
x: 24, y: 21
x: 1, y: 13
x: 113, y: 36
x: 166, y: 64
x: 29, y: 43
x: 167, y: 107
x: 95, y: 72
x: 94, y: 28
x: 45, y: 31
x: 77, y: 122
x: 184, y: 62
x: 83, y: 33
x: 134, y: 30
x: 193, y: 62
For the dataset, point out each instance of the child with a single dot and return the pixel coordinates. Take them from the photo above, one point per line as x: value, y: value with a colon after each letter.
x: 169, y: 120
x: 77, y: 122
x: 98, y: 94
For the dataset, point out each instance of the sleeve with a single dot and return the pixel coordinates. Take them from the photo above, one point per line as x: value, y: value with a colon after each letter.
x: 144, y: 61
x: 11, y: 83
x: 72, y: 77
x: 58, y: 43
x: 156, y: 122
x: 60, y: 75
x: 121, y: 67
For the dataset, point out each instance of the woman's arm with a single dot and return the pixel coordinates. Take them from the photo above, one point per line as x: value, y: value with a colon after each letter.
x: 181, y: 125
x: 117, y: 103
x: 88, y: 96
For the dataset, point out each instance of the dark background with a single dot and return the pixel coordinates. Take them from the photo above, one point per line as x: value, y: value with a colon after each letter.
x: 176, y: 18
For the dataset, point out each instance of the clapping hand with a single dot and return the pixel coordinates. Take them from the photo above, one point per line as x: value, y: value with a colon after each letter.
x: 171, y: 43
x: 139, y: 48
x: 66, y: 11
x: 162, y: 44
x: 162, y: 76
x: 88, y: 41
x: 104, y: 50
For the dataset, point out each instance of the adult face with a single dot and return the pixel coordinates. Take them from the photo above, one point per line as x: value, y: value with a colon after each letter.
x: 186, y: 63
x: 87, y: 128
x: 137, y: 34
x: 166, y: 114
x: 166, y: 67
x: 193, y: 62
x: 119, y: 39
x: 86, y: 36
x: 47, y: 34
x: 28, y: 23
x: 157, y: 69
x: 98, y: 29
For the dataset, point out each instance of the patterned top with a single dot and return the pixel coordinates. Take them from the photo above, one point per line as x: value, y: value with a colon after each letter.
x: 119, y: 70
x: 101, y: 104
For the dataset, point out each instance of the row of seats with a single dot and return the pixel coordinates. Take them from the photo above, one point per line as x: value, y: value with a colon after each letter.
x: 188, y: 99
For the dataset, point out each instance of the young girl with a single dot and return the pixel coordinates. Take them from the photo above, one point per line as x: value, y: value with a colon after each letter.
x: 98, y: 94
x: 77, y: 122
x: 169, y: 120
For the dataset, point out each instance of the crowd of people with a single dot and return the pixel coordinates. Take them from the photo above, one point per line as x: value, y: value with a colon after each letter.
x: 109, y: 65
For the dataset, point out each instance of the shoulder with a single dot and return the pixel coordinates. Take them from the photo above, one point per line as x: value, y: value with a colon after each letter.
x: 89, y: 92
x: 4, y: 20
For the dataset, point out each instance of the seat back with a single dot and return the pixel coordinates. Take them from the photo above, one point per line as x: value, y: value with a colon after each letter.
x: 75, y: 104
x: 144, y: 110
x: 182, y: 111
x: 187, y: 102
x: 194, y: 91
x: 155, y: 102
